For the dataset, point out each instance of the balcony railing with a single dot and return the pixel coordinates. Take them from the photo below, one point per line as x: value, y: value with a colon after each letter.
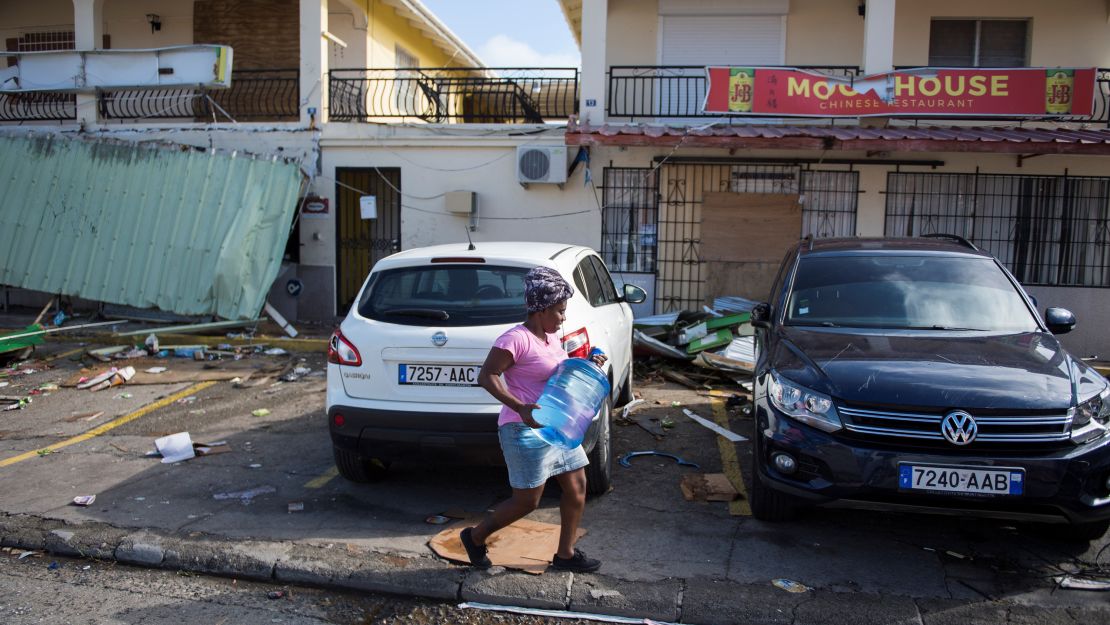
x: 255, y: 95
x: 678, y: 91
x: 454, y: 95
x: 38, y: 106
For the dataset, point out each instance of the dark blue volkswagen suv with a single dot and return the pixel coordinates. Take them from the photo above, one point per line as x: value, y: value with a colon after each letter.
x: 917, y: 374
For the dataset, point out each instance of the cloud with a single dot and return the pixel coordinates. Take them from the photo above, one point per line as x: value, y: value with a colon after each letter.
x: 504, y: 51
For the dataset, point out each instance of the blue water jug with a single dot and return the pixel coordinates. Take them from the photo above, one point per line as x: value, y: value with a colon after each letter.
x: 570, y: 399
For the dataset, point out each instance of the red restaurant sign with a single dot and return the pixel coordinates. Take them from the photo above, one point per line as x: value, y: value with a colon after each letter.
x: 926, y: 91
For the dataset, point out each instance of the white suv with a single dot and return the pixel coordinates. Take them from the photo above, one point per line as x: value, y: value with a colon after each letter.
x: 403, y: 365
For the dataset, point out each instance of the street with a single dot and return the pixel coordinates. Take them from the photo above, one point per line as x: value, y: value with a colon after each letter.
x: 664, y: 557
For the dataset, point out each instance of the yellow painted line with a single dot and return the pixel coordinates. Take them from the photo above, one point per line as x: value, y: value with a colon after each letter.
x: 115, y: 423
x: 730, y: 463
x: 319, y: 482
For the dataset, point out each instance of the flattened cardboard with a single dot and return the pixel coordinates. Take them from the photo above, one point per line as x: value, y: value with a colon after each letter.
x: 525, y: 545
x: 707, y: 487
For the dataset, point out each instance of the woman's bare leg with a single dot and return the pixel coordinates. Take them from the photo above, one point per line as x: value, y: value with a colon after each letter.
x: 571, y: 506
x: 512, y: 509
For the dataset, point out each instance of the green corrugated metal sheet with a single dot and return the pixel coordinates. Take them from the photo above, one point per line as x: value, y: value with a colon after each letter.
x: 182, y: 230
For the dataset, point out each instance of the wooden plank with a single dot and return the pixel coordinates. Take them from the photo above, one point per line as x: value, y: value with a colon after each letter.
x: 744, y: 236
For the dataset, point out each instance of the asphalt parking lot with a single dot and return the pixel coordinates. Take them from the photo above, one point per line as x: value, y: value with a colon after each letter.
x: 644, y: 530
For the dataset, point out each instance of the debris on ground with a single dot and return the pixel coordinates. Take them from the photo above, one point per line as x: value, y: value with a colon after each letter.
x: 790, y: 585
x: 296, y: 506
x: 1080, y: 583
x: 261, y: 412
x: 625, y: 459
x: 728, y: 434
x: 707, y: 487
x: 84, y: 500
x: 175, y: 447
x: 245, y: 496
x: 437, y: 519
x: 524, y: 545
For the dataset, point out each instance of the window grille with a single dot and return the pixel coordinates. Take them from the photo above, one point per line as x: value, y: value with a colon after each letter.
x: 1048, y: 230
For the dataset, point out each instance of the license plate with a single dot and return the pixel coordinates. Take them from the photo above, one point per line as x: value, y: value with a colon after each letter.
x: 961, y: 479
x: 438, y: 375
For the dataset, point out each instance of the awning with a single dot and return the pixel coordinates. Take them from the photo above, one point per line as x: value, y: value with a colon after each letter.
x: 153, y: 226
x: 1004, y: 139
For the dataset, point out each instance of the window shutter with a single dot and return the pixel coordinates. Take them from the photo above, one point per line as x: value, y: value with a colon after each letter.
x: 952, y: 43
x: 742, y: 40
x: 1002, y: 43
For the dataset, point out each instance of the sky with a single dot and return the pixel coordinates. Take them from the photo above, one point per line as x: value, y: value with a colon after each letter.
x: 511, y: 33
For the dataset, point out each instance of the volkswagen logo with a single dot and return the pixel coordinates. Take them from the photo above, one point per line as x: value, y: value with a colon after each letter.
x: 440, y: 339
x: 959, y: 428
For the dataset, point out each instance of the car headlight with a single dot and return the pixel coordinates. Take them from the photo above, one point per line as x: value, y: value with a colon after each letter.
x: 1090, y: 417
x: 802, y: 404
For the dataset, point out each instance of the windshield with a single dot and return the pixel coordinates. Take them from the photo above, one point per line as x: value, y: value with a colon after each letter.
x: 446, y: 295
x: 908, y: 292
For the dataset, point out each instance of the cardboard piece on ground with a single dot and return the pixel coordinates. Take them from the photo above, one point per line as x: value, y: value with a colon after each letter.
x: 707, y: 487
x: 175, y: 447
x: 525, y: 545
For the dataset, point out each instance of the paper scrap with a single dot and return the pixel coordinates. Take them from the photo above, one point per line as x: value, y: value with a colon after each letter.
x: 175, y: 447
x: 84, y: 500
x: 245, y: 496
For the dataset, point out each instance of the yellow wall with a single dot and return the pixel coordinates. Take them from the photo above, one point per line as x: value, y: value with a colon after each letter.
x: 830, y: 32
x: 1065, y: 32
x: 824, y: 32
x: 387, y: 30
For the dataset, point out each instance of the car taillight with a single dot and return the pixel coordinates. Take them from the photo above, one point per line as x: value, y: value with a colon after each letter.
x: 577, y: 344
x: 341, y: 352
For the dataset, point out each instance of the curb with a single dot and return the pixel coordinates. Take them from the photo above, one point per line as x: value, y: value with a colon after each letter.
x: 342, y: 567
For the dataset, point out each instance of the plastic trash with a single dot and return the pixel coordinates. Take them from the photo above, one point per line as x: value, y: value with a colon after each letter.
x: 84, y: 500
x: 790, y: 585
x: 570, y: 399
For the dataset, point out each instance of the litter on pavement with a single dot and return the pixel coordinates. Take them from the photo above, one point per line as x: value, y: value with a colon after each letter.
x: 624, y: 460
x: 1079, y: 583
x: 566, y: 614
x: 730, y: 435
x: 790, y: 585
x: 84, y: 500
x: 175, y: 447
x: 707, y: 487
x: 245, y: 496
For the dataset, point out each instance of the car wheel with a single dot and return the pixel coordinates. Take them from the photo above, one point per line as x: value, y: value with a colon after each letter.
x: 769, y: 504
x: 1086, y: 531
x: 625, y: 394
x: 358, y: 469
x: 599, y: 473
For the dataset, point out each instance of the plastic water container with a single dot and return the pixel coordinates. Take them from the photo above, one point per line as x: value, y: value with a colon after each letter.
x: 570, y: 399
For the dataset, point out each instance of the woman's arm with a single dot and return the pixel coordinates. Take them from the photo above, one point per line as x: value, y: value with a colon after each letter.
x: 489, y: 378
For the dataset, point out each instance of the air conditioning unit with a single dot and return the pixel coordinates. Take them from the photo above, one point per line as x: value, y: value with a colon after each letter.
x: 541, y: 164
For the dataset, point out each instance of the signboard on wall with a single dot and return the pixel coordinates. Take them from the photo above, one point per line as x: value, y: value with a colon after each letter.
x: 918, y: 92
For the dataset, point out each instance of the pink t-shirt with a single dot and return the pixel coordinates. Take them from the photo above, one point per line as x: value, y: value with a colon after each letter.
x: 533, y: 363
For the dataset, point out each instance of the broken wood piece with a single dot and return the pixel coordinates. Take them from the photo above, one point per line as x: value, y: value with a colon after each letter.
x: 84, y: 416
x: 651, y: 428
x: 707, y: 487
x: 675, y: 376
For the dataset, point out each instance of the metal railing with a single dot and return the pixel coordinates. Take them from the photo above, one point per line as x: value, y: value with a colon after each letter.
x: 502, y: 95
x: 678, y: 91
x: 675, y: 91
x: 38, y: 106
x: 255, y: 95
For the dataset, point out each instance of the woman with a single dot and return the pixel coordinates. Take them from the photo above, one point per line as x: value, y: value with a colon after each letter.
x: 527, y: 355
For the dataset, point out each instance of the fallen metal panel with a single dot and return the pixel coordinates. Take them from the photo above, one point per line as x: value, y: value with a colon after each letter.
x: 188, y: 231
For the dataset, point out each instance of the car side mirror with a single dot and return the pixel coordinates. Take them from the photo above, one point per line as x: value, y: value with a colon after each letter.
x: 1059, y: 320
x: 634, y: 294
x: 761, y: 315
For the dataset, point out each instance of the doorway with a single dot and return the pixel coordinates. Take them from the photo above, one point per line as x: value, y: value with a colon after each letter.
x: 362, y: 242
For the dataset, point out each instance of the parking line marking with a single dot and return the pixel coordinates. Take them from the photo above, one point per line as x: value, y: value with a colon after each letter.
x: 114, y: 423
x: 730, y: 463
x: 319, y: 482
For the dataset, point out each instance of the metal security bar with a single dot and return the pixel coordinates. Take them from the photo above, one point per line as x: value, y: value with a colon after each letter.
x: 454, y: 94
x: 255, y: 95
x: 629, y: 219
x: 651, y: 218
x: 1049, y: 230
x: 674, y: 91
x: 38, y: 106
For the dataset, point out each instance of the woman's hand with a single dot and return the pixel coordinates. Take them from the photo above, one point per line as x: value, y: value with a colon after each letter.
x: 599, y: 359
x: 525, y: 413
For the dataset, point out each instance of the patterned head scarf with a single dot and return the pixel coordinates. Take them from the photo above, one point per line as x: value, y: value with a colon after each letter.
x: 543, y: 288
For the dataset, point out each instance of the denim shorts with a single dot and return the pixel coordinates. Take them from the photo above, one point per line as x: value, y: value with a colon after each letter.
x: 532, y: 460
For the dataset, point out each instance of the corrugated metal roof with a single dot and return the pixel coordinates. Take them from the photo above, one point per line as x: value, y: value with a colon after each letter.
x: 193, y: 232
x: 1012, y: 139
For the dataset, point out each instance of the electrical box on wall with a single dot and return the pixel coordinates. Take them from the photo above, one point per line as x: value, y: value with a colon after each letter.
x: 460, y: 202
x: 541, y: 163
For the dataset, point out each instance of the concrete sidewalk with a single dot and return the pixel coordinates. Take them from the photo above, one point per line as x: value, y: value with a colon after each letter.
x: 692, y: 600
